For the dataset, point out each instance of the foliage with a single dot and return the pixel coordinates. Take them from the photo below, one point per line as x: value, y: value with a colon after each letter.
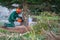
x: 52, y: 5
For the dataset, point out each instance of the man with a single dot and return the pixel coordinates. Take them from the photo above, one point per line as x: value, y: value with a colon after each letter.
x: 13, y: 17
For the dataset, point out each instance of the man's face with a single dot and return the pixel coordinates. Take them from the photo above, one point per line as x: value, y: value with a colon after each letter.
x: 18, y: 11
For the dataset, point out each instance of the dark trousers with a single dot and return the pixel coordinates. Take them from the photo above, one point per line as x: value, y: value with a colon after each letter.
x: 10, y: 24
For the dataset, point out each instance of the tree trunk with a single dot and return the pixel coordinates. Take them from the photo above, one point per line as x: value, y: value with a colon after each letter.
x: 25, y: 13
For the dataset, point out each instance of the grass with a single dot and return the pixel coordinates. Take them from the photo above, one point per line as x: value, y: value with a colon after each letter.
x: 46, y: 17
x: 36, y: 32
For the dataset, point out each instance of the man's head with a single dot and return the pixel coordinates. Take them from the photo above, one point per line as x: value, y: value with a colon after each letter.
x: 18, y: 10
